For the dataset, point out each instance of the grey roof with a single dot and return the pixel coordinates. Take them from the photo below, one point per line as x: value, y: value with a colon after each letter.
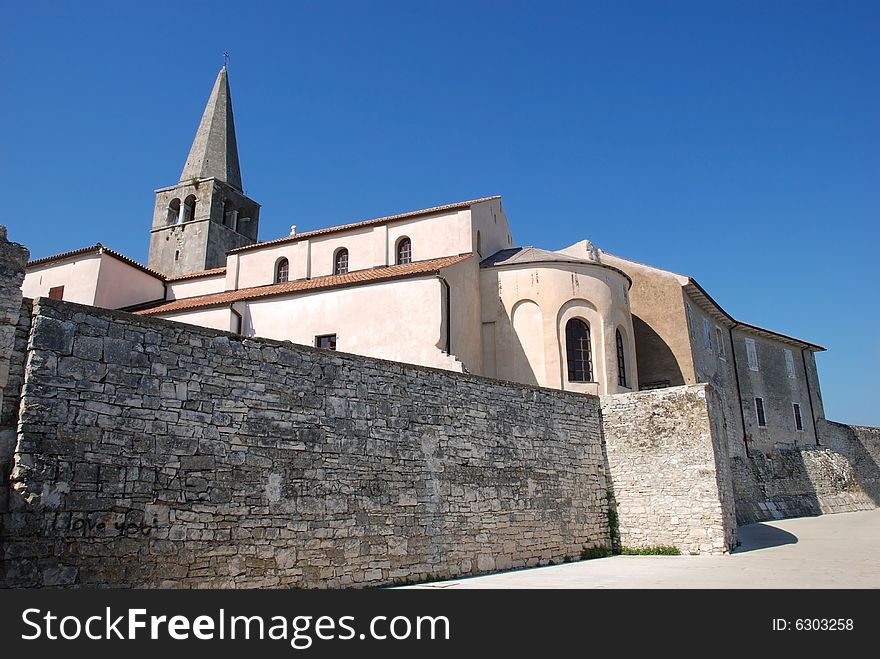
x: 214, y: 151
x: 517, y: 255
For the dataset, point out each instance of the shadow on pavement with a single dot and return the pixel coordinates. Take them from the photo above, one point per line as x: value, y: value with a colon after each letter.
x: 762, y: 536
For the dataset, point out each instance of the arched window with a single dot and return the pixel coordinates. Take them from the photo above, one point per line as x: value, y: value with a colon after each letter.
x: 577, y: 349
x: 340, y: 262
x: 404, y: 251
x: 479, y: 243
x: 282, y: 271
x: 621, y: 361
x: 174, y: 212
x: 189, y: 208
x: 230, y: 215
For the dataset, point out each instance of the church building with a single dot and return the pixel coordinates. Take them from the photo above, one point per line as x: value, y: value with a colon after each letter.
x: 444, y: 287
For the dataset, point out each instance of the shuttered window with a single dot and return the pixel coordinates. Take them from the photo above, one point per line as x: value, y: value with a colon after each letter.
x: 789, y: 362
x: 752, y: 354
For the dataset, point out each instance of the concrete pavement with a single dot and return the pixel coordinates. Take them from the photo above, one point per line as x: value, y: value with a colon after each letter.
x: 831, y: 551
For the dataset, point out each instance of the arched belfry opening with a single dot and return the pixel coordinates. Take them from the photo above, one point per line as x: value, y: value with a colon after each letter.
x: 230, y: 215
x: 173, y: 216
x: 189, y: 208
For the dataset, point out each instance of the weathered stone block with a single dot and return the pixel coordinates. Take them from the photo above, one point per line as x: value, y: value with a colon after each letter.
x: 53, y: 335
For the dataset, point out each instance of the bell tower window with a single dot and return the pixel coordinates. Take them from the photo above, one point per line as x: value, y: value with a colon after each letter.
x: 174, y: 212
x: 189, y: 208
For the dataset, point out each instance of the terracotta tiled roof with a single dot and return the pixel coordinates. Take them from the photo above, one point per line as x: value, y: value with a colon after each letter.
x: 365, y: 223
x: 97, y: 248
x: 196, y: 275
x: 373, y: 275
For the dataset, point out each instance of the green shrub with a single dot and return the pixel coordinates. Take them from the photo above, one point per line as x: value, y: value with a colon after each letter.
x: 653, y: 550
x: 594, y: 552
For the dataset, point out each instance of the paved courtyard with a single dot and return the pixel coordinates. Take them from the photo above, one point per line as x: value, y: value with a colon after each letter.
x: 831, y: 551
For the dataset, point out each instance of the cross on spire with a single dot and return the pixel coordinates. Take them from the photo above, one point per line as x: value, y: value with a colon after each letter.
x: 225, y: 59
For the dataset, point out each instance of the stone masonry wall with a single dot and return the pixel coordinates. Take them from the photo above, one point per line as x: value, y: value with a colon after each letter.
x: 840, y: 476
x: 860, y: 445
x: 13, y: 258
x: 10, y: 395
x: 152, y: 453
x: 670, y: 471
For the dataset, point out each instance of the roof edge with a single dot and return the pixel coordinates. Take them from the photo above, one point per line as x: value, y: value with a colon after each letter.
x: 363, y: 223
x: 688, y: 280
x: 242, y: 293
x: 212, y: 272
x: 570, y: 261
x: 99, y: 249
x: 815, y: 347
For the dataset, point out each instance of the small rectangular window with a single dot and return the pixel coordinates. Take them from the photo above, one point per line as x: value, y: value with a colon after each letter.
x: 326, y: 341
x: 707, y: 335
x: 798, y: 421
x: 789, y: 362
x: 759, y: 410
x: 719, y: 339
x: 689, y: 313
x: 752, y: 354
x: 56, y: 293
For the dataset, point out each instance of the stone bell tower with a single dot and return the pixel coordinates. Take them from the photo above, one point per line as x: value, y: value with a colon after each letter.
x: 206, y: 214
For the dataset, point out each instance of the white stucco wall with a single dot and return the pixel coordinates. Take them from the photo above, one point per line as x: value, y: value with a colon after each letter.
x: 489, y: 219
x: 220, y: 318
x: 178, y: 290
x: 432, y: 236
x: 399, y: 320
x: 358, y: 242
x: 121, y: 285
x: 78, y: 275
x: 464, y: 284
x: 526, y: 308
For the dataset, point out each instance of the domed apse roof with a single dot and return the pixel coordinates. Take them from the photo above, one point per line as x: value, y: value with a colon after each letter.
x: 520, y: 255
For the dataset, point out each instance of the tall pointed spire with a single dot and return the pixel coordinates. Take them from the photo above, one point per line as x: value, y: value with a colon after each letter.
x: 214, y: 151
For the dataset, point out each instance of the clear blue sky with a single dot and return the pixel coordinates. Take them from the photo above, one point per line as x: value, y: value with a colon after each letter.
x: 737, y: 142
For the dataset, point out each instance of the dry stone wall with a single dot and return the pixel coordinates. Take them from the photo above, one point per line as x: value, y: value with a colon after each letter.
x: 151, y: 453
x: 842, y: 475
x: 860, y: 445
x: 670, y: 472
